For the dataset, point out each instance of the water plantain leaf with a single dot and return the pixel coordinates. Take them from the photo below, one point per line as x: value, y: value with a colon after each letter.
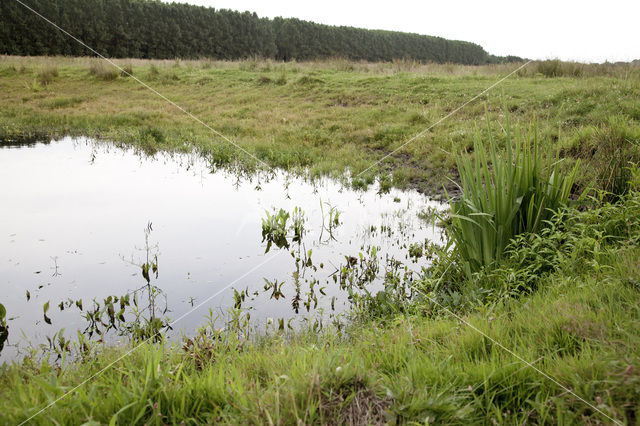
x: 45, y: 308
x: 111, y: 312
x: 3, y: 327
x: 4, y: 335
x: 145, y: 272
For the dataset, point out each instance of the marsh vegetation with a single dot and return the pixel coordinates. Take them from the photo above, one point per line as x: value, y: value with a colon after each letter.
x: 380, y: 305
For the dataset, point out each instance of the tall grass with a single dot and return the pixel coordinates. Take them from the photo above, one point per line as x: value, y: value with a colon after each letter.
x: 47, y: 74
x: 503, y: 196
x: 102, y: 71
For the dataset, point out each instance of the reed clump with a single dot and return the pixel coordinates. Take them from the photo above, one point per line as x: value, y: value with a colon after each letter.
x: 503, y: 196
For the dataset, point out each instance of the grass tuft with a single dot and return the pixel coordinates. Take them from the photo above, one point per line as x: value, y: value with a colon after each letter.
x: 47, y: 74
x: 104, y: 72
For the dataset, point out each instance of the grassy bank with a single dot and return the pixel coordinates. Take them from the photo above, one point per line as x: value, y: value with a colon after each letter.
x: 579, y: 323
x: 327, y: 116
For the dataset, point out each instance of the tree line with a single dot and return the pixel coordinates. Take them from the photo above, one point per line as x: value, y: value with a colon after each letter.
x: 152, y: 29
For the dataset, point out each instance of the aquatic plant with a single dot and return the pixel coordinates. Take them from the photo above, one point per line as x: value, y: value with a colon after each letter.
x: 274, y: 229
x: 4, y: 328
x: 298, y: 228
x: 137, y: 315
x: 504, y: 196
x: 330, y: 221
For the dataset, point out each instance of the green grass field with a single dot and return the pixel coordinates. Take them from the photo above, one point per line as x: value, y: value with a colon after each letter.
x: 328, y: 116
x: 565, y: 298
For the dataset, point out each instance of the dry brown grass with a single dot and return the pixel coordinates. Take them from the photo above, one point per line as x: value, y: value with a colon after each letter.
x: 361, y: 406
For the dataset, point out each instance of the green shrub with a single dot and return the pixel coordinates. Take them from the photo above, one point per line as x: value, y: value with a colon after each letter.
x: 503, y: 197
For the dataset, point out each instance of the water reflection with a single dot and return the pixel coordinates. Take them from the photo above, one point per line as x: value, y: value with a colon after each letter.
x: 73, y: 212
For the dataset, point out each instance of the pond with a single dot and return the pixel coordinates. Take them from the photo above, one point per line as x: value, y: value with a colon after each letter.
x: 76, y: 213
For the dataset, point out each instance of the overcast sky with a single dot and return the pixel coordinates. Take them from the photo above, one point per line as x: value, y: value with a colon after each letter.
x: 587, y: 31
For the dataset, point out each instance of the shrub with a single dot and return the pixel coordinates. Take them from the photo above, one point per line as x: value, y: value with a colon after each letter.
x: 503, y: 196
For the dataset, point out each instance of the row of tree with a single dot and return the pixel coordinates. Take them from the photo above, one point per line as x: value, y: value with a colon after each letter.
x: 152, y: 29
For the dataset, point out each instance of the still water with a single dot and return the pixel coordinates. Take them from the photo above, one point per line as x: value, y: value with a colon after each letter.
x: 73, y: 214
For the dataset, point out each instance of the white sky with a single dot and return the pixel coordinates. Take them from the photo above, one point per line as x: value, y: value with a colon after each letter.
x: 586, y: 31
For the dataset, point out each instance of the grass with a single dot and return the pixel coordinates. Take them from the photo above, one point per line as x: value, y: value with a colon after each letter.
x: 325, y: 117
x: 579, y: 327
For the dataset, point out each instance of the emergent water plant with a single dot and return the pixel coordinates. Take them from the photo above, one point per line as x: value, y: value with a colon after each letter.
x: 503, y: 196
x: 4, y: 328
x: 276, y: 231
